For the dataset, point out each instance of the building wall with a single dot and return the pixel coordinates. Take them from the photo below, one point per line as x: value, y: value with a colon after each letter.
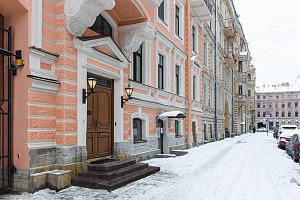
x: 268, y: 101
x: 49, y: 118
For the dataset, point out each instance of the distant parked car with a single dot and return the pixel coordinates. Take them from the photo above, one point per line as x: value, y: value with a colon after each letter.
x: 285, y: 137
x: 293, y: 146
x: 261, y: 129
x: 287, y: 127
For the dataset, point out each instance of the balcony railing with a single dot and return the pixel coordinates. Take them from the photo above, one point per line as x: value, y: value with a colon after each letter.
x: 229, y: 28
x: 231, y: 60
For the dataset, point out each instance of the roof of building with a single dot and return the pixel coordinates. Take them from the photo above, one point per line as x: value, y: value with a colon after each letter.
x: 283, y: 87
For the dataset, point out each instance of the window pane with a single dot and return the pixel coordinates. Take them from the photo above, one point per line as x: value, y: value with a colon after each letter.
x: 97, y: 27
x: 161, y: 11
x: 177, y: 79
x: 107, y: 28
x: 177, y: 20
x: 160, y: 77
x: 137, y: 129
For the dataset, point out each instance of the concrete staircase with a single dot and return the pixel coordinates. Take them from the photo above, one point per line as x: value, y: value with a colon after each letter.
x: 110, y: 174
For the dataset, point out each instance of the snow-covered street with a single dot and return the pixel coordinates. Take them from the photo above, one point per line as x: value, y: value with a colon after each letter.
x: 245, y: 167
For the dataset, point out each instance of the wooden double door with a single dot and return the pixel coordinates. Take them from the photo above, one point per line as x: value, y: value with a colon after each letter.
x: 99, y: 138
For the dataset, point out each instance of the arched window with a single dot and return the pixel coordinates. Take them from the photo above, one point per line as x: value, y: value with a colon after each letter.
x: 101, y: 26
x: 137, y: 129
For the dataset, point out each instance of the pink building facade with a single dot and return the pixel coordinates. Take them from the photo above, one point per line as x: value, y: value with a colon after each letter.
x: 281, y: 102
x: 51, y: 119
x: 144, y: 44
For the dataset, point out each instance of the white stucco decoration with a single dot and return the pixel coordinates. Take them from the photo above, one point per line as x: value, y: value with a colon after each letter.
x: 81, y: 14
x: 156, y: 3
x: 132, y: 36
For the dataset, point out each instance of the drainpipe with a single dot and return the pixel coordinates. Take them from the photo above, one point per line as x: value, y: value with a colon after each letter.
x: 232, y: 88
x: 216, y: 69
x: 189, y: 73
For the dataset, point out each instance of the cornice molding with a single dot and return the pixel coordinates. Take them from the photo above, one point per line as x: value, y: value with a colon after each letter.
x: 155, y: 3
x: 132, y: 36
x: 81, y: 14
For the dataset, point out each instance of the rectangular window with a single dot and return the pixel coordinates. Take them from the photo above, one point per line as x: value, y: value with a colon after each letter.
x: 137, y: 65
x: 249, y: 77
x: 296, y: 114
x: 176, y: 128
x: 289, y: 114
x: 270, y: 97
x: 282, y: 96
x: 282, y: 105
x: 176, y: 20
x: 249, y: 93
x: 264, y: 97
x: 194, y: 87
x: 177, y: 79
x: 277, y: 97
x: 288, y: 96
x: 161, y: 11
x: 194, y: 38
x: 264, y: 105
x: 270, y: 105
x: 264, y: 114
x: 258, y: 96
x: 271, y: 114
x: 240, y: 66
x: 289, y: 104
x: 205, y: 53
x: 277, y: 114
x: 276, y: 105
x: 296, y: 96
x: 137, y: 129
x: 296, y: 104
x: 240, y: 90
x: 282, y: 114
x: 160, y: 71
x: 283, y: 123
x: 258, y: 114
x: 258, y: 105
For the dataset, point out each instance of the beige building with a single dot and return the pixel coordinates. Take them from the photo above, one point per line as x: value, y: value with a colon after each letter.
x: 234, y: 94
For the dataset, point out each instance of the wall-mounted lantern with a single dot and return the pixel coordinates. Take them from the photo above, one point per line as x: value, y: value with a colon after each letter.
x: 19, y: 63
x: 91, y: 81
x: 128, y: 91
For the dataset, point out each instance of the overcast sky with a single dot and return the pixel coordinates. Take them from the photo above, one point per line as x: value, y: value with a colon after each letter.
x: 272, y: 28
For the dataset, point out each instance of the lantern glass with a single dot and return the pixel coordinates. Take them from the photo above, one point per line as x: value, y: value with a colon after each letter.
x: 128, y: 91
x: 92, y: 83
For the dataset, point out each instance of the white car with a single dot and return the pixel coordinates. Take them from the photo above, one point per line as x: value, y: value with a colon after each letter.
x: 285, y: 136
x: 287, y: 127
x: 262, y: 129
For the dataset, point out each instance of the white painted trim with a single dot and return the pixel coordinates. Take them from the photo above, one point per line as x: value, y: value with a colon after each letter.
x: 86, y: 50
x: 41, y: 144
x: 165, y: 23
x: 36, y: 23
x: 82, y: 14
x: 145, y: 123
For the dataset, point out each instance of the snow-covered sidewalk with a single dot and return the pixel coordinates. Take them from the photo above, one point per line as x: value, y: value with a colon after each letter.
x: 245, y: 167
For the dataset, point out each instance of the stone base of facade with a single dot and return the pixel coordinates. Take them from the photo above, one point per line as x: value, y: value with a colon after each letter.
x: 51, y: 167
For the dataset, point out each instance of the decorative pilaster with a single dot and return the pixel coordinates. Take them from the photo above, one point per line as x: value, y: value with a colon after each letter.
x: 81, y: 14
x: 132, y: 36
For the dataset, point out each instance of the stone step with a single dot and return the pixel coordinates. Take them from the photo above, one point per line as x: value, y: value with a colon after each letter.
x: 110, y: 166
x: 87, y: 182
x: 115, y: 183
x: 180, y: 152
x: 113, y: 174
x: 165, y: 156
x: 124, y: 180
